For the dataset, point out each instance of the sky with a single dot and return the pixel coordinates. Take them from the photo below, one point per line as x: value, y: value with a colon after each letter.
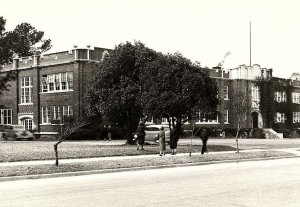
x: 202, y: 30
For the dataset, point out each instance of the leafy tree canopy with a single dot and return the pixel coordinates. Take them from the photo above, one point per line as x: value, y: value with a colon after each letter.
x: 115, y: 89
x: 174, y: 87
x: 23, y: 41
x: 135, y: 80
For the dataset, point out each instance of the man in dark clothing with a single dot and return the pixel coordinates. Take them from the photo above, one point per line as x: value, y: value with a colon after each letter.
x: 204, y: 134
x: 174, y: 137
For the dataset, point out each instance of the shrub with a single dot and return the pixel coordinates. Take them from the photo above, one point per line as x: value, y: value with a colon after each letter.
x: 118, y: 132
x: 288, y: 133
x: 258, y: 133
x: 83, y: 134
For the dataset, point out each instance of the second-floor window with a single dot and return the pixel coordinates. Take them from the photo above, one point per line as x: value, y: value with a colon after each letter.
x: 280, y: 96
x: 225, y: 91
x: 57, y: 82
x: 26, y: 90
x: 255, y: 93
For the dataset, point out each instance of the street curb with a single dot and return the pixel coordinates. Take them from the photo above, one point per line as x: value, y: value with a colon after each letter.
x: 92, y: 172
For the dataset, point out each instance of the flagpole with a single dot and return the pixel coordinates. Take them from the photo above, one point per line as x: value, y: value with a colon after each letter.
x: 250, y: 45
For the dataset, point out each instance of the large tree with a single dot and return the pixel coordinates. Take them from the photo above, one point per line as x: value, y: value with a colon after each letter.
x: 176, y: 89
x: 23, y: 41
x: 115, y: 88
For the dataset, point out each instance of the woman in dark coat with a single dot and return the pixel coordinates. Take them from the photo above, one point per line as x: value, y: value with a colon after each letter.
x: 174, y: 137
x: 141, y: 135
x: 162, y: 141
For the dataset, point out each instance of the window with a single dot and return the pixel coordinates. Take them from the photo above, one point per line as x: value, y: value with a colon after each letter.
x: 56, y: 113
x: 296, y: 97
x: 57, y: 82
x: 164, y: 121
x: 150, y: 121
x: 27, y: 124
x: 50, y: 113
x: 68, y: 111
x: 204, y: 120
x: 70, y: 81
x: 225, y: 91
x: 51, y: 79
x: 255, y: 93
x: 280, y: 117
x: 26, y: 90
x: 296, y: 117
x: 280, y: 96
x: 46, y: 115
x: 5, y: 116
x: 225, y: 117
x: 44, y: 84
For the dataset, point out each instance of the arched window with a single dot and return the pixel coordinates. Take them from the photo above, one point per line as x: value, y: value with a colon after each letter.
x: 27, y: 124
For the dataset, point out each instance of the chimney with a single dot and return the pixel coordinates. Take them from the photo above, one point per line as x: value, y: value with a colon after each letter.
x: 36, y: 60
x: 88, y: 51
x: 271, y: 73
x: 16, y: 62
x: 75, y: 51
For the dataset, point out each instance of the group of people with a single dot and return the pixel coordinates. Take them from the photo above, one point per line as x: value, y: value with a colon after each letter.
x: 141, y: 138
x: 174, y: 137
x: 204, y: 135
x: 161, y: 137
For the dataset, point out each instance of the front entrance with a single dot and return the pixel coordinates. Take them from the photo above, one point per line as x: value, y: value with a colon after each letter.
x: 254, y: 119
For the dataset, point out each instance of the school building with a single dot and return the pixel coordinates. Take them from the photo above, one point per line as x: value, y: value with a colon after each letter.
x: 52, y: 86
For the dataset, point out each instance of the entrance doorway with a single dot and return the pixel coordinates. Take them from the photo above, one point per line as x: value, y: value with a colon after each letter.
x: 254, y: 119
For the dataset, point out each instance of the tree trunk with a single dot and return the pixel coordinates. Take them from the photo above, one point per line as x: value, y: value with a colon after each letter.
x: 236, y: 137
x: 56, y: 151
x: 56, y: 154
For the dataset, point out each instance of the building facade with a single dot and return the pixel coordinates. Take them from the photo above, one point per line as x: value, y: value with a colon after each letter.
x: 51, y: 87
x: 47, y: 88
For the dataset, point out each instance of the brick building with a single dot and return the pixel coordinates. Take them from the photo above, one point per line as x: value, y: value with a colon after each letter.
x: 47, y: 88
x: 52, y: 86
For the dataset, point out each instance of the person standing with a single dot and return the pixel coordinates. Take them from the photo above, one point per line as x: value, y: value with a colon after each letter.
x: 141, y: 135
x: 109, y: 133
x: 174, y: 137
x: 104, y: 133
x: 204, y: 135
x: 162, y: 141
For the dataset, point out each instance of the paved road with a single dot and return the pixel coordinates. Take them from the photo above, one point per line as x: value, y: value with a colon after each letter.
x: 257, y: 183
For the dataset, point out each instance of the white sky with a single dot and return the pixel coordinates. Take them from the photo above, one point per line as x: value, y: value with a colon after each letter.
x: 202, y: 30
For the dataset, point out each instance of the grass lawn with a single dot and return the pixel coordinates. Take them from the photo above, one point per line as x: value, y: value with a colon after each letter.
x: 42, y: 150
x: 129, y: 163
x: 25, y: 151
